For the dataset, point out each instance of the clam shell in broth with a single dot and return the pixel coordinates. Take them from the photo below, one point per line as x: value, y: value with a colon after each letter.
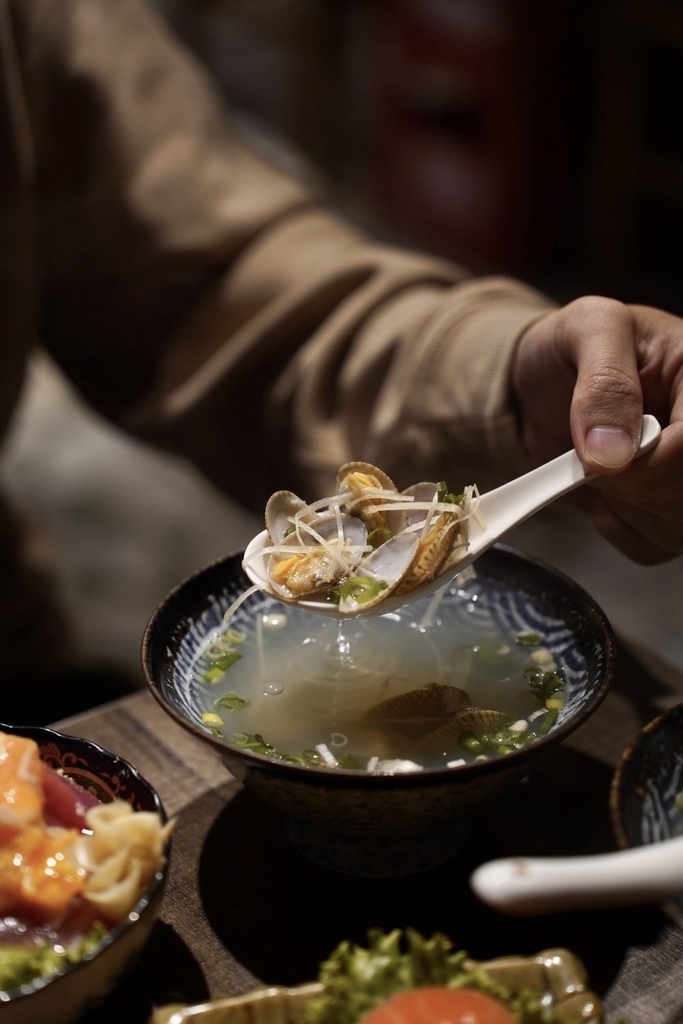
x: 477, y: 722
x: 415, y: 712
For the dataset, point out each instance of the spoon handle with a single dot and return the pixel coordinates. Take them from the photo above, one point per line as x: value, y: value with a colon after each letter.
x: 541, y: 885
x: 510, y: 504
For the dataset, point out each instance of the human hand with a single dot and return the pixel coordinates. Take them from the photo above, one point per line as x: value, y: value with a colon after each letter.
x: 583, y: 375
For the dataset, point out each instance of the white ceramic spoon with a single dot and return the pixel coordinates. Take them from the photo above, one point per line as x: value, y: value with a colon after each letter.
x: 542, y: 885
x: 501, y: 509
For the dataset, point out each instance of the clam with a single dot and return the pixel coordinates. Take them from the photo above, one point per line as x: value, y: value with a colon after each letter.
x: 324, y: 549
x: 470, y: 723
x: 364, y: 489
x: 416, y: 712
x: 432, y: 551
x: 356, y: 477
x: 281, y: 508
x: 369, y: 539
x: 378, y: 574
x: 420, y: 494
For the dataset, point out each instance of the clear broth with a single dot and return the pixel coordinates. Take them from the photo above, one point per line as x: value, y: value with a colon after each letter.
x: 305, y: 684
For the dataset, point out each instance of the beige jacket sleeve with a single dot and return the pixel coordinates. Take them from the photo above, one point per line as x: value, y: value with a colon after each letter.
x: 210, y: 304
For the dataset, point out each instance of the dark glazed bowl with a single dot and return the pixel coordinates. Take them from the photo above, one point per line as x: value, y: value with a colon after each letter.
x: 646, y: 798
x: 63, y: 998
x: 371, y: 824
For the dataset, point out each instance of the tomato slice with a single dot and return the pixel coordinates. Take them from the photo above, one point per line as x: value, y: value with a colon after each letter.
x: 437, y: 1005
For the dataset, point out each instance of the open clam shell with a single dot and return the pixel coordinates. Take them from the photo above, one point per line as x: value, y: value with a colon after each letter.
x: 475, y: 722
x: 420, y: 493
x: 385, y: 566
x: 281, y: 508
x: 417, y: 712
x: 363, y: 488
x: 432, y: 552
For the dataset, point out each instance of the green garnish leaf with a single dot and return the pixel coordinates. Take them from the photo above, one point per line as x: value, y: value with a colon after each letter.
x: 543, y: 684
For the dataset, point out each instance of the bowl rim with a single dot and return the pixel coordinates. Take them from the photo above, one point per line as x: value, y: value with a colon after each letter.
x: 148, y: 898
x: 341, y: 777
x: 616, y: 791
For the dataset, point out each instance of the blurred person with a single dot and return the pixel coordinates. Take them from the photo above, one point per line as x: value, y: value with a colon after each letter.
x: 213, y: 306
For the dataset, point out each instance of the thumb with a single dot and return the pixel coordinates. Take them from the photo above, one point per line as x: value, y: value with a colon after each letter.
x: 607, y: 406
x: 609, y: 447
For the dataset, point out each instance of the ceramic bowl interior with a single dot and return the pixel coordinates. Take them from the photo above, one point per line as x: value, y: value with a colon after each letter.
x: 556, y: 972
x: 646, y: 798
x: 343, y: 818
x: 64, y: 997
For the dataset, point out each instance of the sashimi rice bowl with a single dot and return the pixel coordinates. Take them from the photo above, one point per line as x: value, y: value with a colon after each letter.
x: 84, y: 843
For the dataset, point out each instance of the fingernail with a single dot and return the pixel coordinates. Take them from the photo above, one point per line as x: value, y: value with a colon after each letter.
x: 609, y: 446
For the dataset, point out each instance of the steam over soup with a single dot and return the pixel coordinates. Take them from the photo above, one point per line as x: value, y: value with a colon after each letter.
x: 418, y: 688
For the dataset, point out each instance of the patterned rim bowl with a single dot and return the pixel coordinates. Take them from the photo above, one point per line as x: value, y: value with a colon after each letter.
x: 385, y: 824
x: 646, y: 797
x: 63, y: 998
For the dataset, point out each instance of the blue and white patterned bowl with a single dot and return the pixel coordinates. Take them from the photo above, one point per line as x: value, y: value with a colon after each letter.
x: 363, y: 823
x: 646, y: 798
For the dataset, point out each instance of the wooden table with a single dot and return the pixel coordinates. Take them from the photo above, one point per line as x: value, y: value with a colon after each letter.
x: 243, y: 908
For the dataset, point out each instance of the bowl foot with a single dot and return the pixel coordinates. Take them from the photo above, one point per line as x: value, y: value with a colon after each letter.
x: 383, y: 857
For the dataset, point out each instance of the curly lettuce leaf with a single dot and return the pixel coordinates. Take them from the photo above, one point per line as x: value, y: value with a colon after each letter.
x: 357, y: 979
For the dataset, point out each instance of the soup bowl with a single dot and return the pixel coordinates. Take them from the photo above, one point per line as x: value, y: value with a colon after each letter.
x: 63, y: 997
x: 646, y: 796
x: 397, y: 816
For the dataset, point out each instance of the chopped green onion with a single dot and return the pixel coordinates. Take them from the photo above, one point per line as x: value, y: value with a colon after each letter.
x: 236, y: 636
x: 231, y: 701
x: 554, y: 703
x: 212, y: 675
x: 548, y: 722
x: 210, y: 718
x: 362, y: 588
x: 227, y: 660
x: 528, y: 639
x: 444, y: 495
x: 378, y: 535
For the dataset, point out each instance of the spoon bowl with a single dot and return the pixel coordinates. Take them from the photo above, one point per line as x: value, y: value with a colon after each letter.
x: 498, y: 512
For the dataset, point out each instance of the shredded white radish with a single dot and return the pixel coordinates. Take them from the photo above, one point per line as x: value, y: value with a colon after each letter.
x: 330, y: 555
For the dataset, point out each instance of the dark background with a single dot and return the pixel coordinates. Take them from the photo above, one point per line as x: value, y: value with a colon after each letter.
x: 535, y: 138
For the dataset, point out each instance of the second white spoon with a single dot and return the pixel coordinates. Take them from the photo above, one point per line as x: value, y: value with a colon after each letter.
x: 541, y: 885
